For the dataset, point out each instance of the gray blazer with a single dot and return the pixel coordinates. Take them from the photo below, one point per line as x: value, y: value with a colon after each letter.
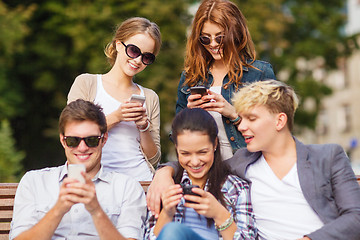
x: 328, y: 184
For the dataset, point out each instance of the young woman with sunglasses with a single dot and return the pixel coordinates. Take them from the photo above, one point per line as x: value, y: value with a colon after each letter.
x: 133, y: 146
x: 222, y: 209
x: 220, y: 55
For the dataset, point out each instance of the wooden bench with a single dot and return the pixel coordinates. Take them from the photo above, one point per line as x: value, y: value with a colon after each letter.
x: 7, y: 195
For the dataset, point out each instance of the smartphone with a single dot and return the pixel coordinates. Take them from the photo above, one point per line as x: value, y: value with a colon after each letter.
x: 198, y: 90
x: 187, y: 189
x: 137, y: 98
x: 74, y: 171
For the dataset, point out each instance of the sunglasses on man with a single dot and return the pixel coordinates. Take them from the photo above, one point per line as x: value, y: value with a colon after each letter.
x: 133, y: 51
x: 205, y: 40
x: 91, y: 141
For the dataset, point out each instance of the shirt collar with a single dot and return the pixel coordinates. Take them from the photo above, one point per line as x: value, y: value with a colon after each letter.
x: 185, y: 180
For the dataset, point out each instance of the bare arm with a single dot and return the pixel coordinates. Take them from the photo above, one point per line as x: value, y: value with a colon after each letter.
x: 161, y: 181
x: 170, y: 199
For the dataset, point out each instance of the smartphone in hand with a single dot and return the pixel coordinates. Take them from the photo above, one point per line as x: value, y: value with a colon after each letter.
x: 74, y: 171
x: 137, y: 98
x: 187, y: 189
x: 198, y: 90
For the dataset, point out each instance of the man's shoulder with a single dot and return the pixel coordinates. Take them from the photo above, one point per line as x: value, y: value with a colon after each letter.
x: 319, y: 149
x: 242, y: 154
x: 44, y: 171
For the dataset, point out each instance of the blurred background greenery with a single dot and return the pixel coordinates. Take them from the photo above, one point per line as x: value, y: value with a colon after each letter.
x: 45, y: 44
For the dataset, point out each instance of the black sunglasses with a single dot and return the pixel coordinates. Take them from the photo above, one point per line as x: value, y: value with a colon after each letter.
x: 133, y: 52
x: 205, y: 40
x: 73, y: 142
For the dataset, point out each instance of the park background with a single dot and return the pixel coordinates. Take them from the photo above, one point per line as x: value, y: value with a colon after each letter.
x: 313, y: 45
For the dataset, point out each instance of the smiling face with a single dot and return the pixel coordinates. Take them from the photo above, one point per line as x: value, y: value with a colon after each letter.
x: 89, y: 156
x: 132, y: 66
x: 195, y: 154
x: 260, y: 128
x: 213, y: 30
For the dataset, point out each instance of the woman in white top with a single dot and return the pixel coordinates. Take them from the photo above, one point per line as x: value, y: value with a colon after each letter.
x: 133, y: 146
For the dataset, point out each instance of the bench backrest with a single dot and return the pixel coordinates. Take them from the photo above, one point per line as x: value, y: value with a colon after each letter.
x: 7, y: 195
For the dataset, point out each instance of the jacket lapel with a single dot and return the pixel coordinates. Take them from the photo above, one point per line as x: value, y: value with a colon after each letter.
x: 305, y: 173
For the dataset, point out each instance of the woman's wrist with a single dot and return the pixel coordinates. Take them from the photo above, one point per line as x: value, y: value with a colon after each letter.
x: 235, y: 121
x: 225, y: 224
x: 145, y: 127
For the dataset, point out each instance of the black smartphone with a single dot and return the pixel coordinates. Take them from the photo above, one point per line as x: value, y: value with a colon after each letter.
x: 187, y: 190
x: 198, y: 90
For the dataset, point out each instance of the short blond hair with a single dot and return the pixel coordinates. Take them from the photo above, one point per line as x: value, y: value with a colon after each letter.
x: 275, y: 95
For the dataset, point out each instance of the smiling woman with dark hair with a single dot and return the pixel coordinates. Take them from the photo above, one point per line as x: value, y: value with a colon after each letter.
x: 222, y: 206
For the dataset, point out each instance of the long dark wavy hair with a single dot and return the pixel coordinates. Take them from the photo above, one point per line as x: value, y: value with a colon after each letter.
x: 238, y: 47
x: 199, y: 120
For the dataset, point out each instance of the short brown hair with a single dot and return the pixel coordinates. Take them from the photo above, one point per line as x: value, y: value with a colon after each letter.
x: 81, y: 110
x: 276, y: 96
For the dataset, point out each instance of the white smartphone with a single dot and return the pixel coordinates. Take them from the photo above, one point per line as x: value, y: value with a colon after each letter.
x: 74, y: 171
x: 137, y: 98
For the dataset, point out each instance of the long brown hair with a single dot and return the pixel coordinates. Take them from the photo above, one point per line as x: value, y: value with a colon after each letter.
x: 238, y: 47
x: 129, y: 28
x: 199, y: 120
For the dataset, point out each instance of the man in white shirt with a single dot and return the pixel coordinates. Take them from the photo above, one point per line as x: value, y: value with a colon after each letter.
x: 51, y: 205
x: 297, y: 191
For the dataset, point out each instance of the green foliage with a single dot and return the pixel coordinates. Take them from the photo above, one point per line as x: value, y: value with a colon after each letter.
x: 44, y: 45
x: 12, y: 32
x: 10, y: 158
x: 286, y: 31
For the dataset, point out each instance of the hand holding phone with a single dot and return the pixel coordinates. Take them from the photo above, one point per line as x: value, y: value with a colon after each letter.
x: 137, y: 98
x: 198, y: 90
x: 75, y: 170
x: 187, y: 189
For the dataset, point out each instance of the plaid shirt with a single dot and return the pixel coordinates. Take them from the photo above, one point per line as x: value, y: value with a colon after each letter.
x: 237, y: 197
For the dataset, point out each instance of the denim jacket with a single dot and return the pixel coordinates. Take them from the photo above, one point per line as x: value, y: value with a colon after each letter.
x: 249, y: 75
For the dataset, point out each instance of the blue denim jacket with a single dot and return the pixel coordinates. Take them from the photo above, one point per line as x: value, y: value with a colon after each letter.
x: 249, y: 75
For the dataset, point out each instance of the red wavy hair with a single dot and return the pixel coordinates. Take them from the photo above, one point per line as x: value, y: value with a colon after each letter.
x: 238, y: 47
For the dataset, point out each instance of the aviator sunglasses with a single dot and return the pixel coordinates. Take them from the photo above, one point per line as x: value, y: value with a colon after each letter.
x: 91, y: 141
x: 205, y: 40
x: 133, y: 52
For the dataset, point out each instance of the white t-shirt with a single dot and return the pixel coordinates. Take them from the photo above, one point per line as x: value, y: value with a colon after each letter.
x: 225, y: 147
x: 280, y: 208
x: 122, y: 151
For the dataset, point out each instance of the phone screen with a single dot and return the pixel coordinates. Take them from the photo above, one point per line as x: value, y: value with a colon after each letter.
x: 198, y: 90
x: 137, y: 98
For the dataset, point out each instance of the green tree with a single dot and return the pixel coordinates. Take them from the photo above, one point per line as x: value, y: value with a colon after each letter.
x: 10, y: 158
x: 12, y: 32
x: 68, y: 38
x: 303, y: 39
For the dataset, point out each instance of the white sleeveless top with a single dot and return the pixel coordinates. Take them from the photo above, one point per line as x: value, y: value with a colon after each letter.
x: 225, y: 146
x: 122, y: 152
x: 280, y: 208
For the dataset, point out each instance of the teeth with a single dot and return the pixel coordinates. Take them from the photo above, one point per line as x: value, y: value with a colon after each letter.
x: 83, y: 156
x: 132, y: 65
x: 196, y: 168
x: 215, y: 50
